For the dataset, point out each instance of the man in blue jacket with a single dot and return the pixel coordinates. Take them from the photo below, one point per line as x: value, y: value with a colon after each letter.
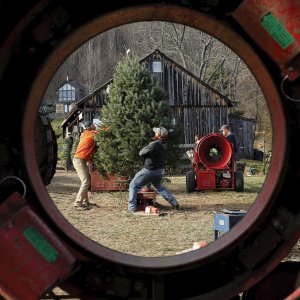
x: 226, y: 131
x: 152, y: 171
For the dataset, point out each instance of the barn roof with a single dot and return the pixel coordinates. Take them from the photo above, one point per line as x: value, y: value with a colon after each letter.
x: 156, y: 51
x: 75, y: 84
x: 81, y: 102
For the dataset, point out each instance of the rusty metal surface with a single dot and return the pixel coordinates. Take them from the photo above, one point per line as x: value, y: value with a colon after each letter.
x: 40, y: 42
x: 295, y: 295
x: 250, y: 14
x: 32, y: 258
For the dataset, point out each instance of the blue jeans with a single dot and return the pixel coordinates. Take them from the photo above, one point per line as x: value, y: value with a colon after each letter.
x: 143, y: 177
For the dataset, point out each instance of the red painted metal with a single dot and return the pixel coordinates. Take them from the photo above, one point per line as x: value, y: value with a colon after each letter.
x: 145, y: 197
x: 249, y: 15
x: 210, y: 169
x: 295, y: 295
x: 98, y: 184
x: 218, y: 256
x: 201, y: 22
x: 210, y: 141
x: 32, y: 259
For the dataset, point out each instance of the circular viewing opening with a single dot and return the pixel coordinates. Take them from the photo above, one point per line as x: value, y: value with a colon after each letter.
x: 226, y: 36
x: 207, y: 86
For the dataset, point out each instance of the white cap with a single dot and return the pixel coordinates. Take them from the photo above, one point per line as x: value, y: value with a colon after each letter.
x: 161, y: 131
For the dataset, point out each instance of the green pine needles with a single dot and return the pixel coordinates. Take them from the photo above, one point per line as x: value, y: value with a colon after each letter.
x: 74, y: 147
x: 65, y: 154
x: 136, y: 103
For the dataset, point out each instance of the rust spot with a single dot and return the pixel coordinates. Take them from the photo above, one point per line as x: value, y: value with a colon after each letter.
x: 16, y: 240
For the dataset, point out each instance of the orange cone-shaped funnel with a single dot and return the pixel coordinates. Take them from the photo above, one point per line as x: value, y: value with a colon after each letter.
x: 214, y: 150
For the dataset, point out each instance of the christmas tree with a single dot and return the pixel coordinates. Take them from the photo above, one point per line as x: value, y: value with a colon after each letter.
x: 74, y: 147
x: 136, y: 103
x: 65, y: 154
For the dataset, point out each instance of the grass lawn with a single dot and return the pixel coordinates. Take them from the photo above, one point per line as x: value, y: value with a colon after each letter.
x: 57, y: 122
x: 58, y: 133
x: 108, y: 224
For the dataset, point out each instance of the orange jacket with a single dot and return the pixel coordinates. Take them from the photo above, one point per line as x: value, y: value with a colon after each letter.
x: 86, y: 146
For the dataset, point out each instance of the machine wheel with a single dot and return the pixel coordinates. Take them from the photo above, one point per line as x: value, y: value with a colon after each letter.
x: 239, y: 181
x: 45, y: 148
x: 190, y: 181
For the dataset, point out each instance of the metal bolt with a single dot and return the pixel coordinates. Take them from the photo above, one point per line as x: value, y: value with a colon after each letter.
x: 137, y: 286
x: 256, y: 245
x: 31, y: 51
x: 291, y: 69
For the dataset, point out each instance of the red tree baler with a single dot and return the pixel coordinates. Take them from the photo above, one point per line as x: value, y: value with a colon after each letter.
x: 214, y: 166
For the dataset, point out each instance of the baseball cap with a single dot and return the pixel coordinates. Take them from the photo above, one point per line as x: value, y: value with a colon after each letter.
x: 224, y: 127
x: 87, y: 124
x: 161, y: 131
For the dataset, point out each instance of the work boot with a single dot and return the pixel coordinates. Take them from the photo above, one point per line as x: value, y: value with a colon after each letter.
x: 157, y: 205
x: 176, y: 206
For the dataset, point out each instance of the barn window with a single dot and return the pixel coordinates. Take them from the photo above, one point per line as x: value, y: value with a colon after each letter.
x: 157, y: 67
x: 67, y: 108
x: 67, y: 93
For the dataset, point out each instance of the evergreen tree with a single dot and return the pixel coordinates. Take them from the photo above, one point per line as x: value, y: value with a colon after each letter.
x: 74, y: 147
x: 46, y: 110
x: 136, y: 103
x: 65, y: 154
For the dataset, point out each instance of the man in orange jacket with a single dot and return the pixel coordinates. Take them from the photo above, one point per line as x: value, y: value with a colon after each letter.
x: 85, y: 149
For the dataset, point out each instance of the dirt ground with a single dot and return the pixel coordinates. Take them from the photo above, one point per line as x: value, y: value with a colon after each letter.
x: 108, y: 224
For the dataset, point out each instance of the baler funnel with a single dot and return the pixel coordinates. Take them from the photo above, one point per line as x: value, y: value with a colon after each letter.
x: 214, y: 150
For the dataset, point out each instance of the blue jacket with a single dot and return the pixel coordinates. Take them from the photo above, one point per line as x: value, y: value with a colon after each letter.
x: 153, y: 154
x: 232, y: 139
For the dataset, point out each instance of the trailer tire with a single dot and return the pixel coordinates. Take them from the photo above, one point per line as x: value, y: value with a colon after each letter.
x: 190, y: 182
x: 239, y: 181
x: 45, y: 148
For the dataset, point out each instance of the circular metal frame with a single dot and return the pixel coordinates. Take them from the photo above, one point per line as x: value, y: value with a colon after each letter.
x: 237, y: 241
x: 201, y: 22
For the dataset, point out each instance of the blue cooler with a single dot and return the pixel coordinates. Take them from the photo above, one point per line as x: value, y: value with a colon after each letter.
x: 225, y: 219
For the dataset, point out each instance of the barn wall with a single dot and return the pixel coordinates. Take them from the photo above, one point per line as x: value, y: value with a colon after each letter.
x: 199, y: 108
x: 182, y: 87
x: 199, y: 120
x: 243, y: 130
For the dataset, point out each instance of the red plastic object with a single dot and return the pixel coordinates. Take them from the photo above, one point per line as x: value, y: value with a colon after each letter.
x: 151, y: 210
x: 198, y: 245
x: 33, y: 260
x: 145, y: 198
x: 276, y: 39
x: 98, y: 184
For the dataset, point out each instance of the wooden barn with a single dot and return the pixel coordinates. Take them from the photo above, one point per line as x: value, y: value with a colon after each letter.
x: 200, y: 108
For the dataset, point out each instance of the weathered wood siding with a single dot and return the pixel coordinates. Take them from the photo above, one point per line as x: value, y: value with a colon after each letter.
x: 243, y: 130
x: 197, y: 106
x: 93, y: 105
